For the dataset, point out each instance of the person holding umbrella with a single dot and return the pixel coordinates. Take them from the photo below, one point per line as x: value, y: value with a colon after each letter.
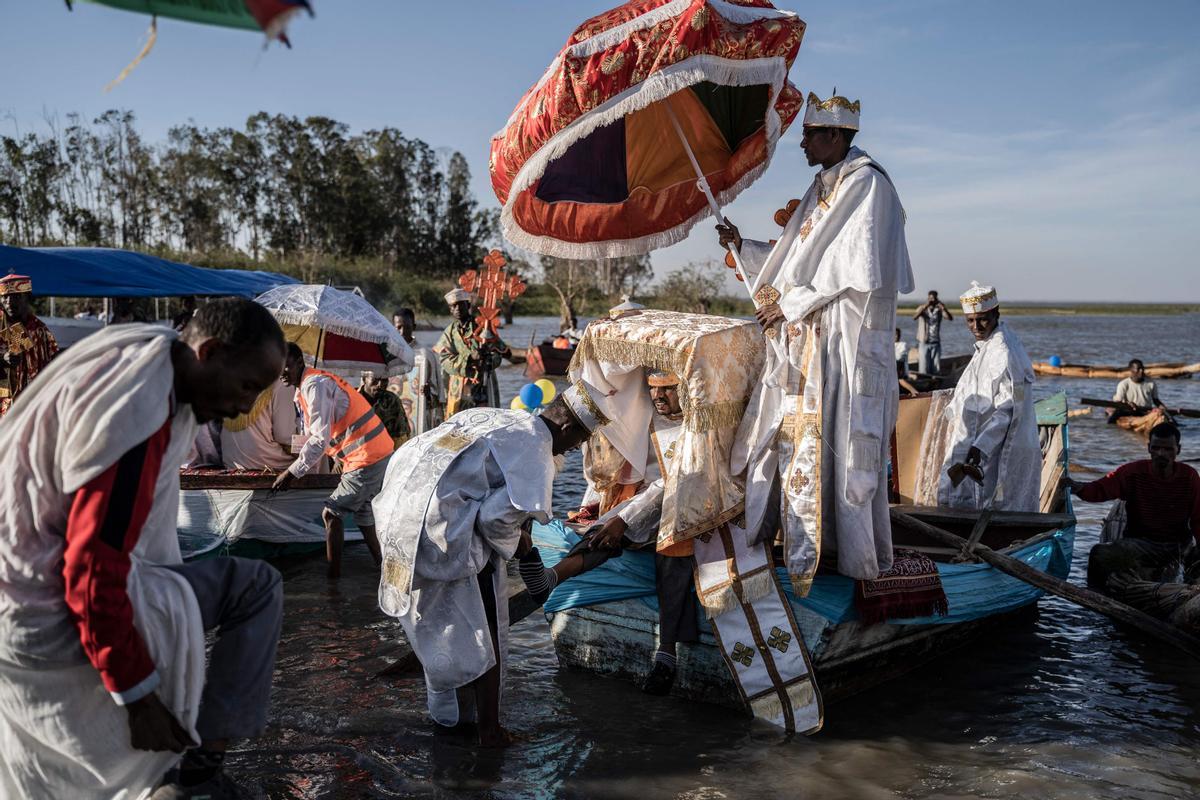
x: 823, y: 414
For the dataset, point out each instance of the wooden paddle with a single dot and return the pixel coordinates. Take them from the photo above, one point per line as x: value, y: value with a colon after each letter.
x: 1068, y: 591
x: 1177, y: 412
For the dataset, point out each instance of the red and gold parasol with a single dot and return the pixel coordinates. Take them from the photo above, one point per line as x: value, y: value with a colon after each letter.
x: 601, y: 157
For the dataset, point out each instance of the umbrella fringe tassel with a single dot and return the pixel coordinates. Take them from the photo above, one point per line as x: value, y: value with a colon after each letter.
x: 661, y: 85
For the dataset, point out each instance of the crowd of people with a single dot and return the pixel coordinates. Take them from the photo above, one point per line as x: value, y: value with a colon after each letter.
x: 104, y: 680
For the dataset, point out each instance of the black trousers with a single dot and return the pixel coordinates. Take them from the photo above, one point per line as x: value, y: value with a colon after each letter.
x: 677, y: 605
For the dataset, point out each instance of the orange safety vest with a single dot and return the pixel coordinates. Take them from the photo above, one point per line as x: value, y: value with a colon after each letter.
x: 358, y: 439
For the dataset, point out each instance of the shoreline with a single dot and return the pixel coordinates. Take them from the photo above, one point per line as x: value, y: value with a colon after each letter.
x: 1079, y: 309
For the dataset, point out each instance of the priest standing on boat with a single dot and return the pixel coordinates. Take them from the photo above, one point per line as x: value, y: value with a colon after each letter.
x: 821, y: 419
x: 994, y: 458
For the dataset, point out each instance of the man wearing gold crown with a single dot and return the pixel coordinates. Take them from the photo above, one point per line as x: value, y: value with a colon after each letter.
x: 26, y: 344
x: 994, y: 459
x: 821, y: 419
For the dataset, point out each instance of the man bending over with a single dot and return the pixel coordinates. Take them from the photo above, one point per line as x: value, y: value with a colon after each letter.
x: 102, y: 664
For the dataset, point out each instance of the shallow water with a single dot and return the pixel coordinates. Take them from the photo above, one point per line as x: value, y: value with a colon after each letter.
x: 1061, y: 705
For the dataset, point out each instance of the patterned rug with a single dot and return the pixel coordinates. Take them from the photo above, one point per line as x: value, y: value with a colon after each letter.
x: 911, y: 588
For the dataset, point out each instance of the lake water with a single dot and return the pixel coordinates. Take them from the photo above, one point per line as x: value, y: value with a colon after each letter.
x: 1064, y: 705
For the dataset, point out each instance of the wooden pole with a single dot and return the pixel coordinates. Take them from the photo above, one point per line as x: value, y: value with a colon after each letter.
x: 1068, y: 591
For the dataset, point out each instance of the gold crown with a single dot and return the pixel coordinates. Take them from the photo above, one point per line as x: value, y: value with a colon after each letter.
x: 835, y: 100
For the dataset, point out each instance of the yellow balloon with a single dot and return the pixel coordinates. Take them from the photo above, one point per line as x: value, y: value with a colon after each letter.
x: 548, y: 389
x: 517, y: 405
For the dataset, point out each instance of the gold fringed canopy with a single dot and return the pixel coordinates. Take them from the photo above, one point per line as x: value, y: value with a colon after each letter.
x: 719, y: 361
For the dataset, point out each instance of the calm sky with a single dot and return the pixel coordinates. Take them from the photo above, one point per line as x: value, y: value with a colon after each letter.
x: 1051, y: 148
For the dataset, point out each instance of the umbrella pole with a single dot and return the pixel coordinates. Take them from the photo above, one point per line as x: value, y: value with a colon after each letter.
x: 702, y: 183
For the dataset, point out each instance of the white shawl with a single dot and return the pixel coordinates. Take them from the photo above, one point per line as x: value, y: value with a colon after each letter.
x: 453, y: 501
x: 992, y: 409
x: 61, y: 733
x: 838, y: 265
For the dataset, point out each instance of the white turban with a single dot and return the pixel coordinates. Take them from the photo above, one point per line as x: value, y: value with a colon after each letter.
x: 457, y: 296
x: 587, y: 403
x: 979, y: 299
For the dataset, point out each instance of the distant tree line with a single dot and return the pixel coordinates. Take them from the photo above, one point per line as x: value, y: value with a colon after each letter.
x: 279, y: 189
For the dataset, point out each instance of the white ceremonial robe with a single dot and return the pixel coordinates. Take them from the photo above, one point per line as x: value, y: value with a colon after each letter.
x: 835, y: 271
x: 992, y: 409
x: 421, y: 391
x: 453, y: 500
x: 265, y: 440
x: 61, y: 734
x: 643, y: 512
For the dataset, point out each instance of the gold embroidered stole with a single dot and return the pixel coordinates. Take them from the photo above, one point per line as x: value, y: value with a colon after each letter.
x: 800, y: 446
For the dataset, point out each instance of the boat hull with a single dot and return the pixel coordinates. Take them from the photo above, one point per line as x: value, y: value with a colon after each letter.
x: 555, y: 360
x: 618, y: 640
x: 1144, y: 423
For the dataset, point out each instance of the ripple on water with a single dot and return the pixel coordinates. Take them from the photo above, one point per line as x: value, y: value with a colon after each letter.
x: 1064, y: 705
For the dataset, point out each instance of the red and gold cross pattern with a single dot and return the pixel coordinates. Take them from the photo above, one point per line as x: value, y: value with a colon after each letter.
x: 493, y: 284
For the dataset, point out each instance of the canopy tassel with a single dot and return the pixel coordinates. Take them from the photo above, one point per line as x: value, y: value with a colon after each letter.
x: 151, y: 38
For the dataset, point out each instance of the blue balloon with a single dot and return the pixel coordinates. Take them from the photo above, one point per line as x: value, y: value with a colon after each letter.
x: 1055, y: 361
x: 531, y: 395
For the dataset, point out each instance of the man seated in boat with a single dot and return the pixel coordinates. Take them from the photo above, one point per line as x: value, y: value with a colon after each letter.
x: 457, y: 503
x: 994, y: 457
x: 636, y: 522
x: 1137, y: 392
x: 1162, y: 506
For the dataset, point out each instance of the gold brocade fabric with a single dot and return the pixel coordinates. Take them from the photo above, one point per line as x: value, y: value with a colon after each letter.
x: 718, y: 361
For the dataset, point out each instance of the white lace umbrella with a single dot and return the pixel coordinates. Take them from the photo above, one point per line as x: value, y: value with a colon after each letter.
x: 338, y: 331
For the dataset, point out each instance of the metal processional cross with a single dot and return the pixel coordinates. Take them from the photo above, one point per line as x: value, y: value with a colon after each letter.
x: 493, y: 284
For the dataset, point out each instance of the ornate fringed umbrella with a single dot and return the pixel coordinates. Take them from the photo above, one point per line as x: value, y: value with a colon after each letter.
x: 651, y: 115
x: 339, y: 331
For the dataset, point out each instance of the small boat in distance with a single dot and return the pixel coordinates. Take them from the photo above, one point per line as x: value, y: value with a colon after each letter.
x: 1162, y: 369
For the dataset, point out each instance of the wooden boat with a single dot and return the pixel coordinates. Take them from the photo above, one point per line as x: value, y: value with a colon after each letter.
x: 617, y: 638
x: 1142, y: 424
x: 952, y: 368
x: 1162, y: 369
x: 233, y: 512
x: 555, y: 360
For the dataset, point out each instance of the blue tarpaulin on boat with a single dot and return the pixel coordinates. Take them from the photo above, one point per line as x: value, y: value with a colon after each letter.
x: 973, y: 591
x: 105, y: 272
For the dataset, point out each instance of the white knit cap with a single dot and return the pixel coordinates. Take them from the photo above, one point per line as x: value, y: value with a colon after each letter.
x: 587, y: 403
x: 457, y: 296
x: 979, y: 299
x: 836, y: 112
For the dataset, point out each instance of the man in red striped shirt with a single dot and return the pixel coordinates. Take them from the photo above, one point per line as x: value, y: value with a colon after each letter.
x: 103, y: 679
x: 1162, y: 500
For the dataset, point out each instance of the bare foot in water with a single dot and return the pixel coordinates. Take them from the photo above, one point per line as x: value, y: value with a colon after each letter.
x: 495, y: 738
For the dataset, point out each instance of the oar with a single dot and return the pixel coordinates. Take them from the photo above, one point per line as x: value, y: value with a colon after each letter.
x: 1068, y: 591
x: 1177, y: 412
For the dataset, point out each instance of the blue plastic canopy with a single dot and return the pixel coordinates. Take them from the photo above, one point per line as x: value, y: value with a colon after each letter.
x: 105, y: 272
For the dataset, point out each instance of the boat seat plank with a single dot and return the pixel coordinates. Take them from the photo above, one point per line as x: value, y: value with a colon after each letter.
x: 1000, y: 519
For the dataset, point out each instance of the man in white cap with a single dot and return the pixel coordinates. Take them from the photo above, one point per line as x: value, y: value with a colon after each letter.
x: 821, y: 419
x: 994, y: 459
x: 457, y: 502
x: 469, y: 363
